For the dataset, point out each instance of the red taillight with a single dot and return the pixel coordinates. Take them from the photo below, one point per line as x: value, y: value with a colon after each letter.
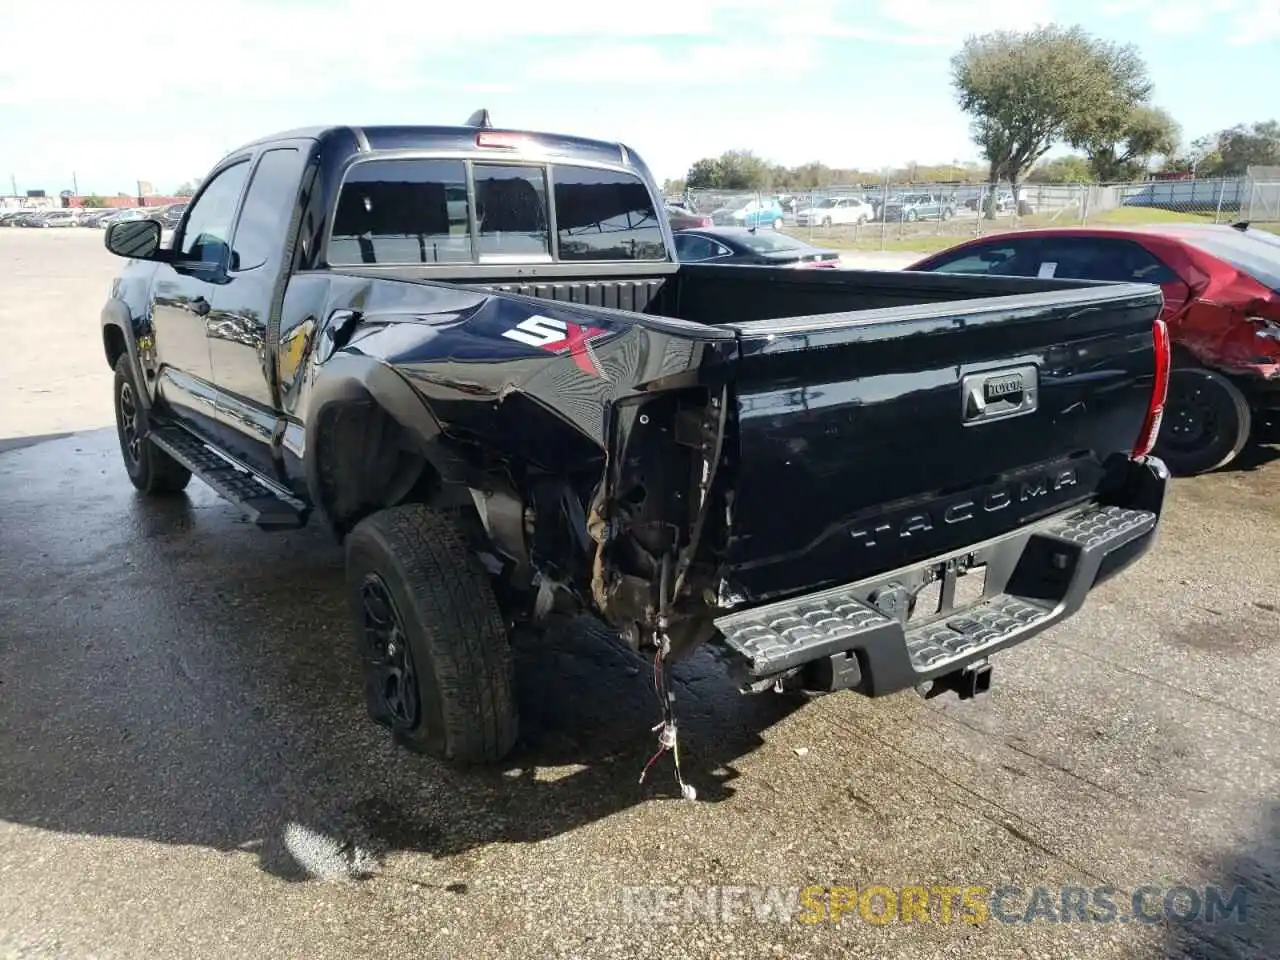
x: 509, y: 141
x: 1159, y: 389
x: 705, y: 222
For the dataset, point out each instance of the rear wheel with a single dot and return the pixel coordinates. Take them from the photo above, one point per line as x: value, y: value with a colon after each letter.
x: 150, y: 469
x: 1206, y: 422
x: 435, y: 651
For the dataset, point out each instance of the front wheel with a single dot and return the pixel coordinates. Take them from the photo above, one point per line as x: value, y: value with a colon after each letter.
x: 1207, y: 422
x: 912, y: 216
x: 150, y: 469
x: 826, y: 221
x: 777, y: 224
x: 438, y: 666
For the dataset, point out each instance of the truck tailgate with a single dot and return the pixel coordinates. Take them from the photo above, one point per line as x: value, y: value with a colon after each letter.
x: 871, y: 440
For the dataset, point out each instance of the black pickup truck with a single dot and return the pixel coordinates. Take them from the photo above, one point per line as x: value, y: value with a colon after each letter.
x: 471, y: 351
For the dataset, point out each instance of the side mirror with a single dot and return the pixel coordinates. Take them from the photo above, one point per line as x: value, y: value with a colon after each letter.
x: 135, y: 239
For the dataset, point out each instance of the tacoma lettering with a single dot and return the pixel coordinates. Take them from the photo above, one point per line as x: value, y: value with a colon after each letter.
x: 964, y: 510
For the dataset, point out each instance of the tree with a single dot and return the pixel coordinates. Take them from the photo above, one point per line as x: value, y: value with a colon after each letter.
x: 732, y: 170
x: 1068, y: 169
x: 1121, y: 142
x: 1026, y: 90
x: 1202, y: 159
x: 1247, y: 145
x: 187, y: 189
x: 1230, y: 152
x: 93, y: 201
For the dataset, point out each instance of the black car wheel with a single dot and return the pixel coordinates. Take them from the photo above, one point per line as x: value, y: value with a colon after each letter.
x: 1206, y: 422
x: 435, y: 651
x: 150, y: 469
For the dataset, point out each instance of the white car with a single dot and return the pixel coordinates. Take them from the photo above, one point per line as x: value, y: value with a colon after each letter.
x: 60, y: 218
x: 835, y: 210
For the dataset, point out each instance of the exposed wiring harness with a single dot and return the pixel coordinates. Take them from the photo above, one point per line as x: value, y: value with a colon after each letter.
x: 665, y: 728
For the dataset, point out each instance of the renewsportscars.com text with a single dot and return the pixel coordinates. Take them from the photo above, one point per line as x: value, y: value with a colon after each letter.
x: 937, y: 903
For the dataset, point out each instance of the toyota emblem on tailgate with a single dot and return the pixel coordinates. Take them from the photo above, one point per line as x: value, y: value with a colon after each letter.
x: 996, y: 394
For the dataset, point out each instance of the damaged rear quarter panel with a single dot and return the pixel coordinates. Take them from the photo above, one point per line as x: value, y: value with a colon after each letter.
x: 1217, y: 332
x: 465, y: 351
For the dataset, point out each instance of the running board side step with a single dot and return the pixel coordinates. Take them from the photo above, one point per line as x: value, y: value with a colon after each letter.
x: 261, y: 505
x: 849, y: 638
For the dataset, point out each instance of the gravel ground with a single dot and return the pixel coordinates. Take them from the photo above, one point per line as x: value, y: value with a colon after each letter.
x: 186, y: 771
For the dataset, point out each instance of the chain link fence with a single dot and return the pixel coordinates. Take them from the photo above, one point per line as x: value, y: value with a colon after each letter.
x: 928, y: 216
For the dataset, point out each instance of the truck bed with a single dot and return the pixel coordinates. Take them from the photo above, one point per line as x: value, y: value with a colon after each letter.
x: 883, y: 418
x: 710, y: 294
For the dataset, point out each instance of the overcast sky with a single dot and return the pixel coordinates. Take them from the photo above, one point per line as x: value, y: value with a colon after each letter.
x: 152, y: 90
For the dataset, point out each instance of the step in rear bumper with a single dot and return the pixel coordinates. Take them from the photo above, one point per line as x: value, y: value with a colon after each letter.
x: 1035, y: 577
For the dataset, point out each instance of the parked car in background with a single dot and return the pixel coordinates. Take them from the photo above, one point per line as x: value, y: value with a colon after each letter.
x: 120, y: 216
x: 95, y: 218
x: 682, y: 218
x: 918, y: 206
x: 739, y: 246
x: 1221, y: 302
x: 168, y: 216
x: 1003, y: 202
x: 831, y: 211
x: 749, y: 212
x: 59, y: 218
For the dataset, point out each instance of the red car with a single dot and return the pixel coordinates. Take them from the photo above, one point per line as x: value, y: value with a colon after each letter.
x: 1222, y: 304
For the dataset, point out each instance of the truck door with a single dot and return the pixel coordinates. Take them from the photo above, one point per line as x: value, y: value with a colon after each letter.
x: 241, y: 356
x: 182, y: 295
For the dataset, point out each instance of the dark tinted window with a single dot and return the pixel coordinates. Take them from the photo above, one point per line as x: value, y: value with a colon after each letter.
x: 771, y: 241
x: 268, y: 206
x: 997, y: 259
x: 691, y: 247
x: 1096, y: 258
x: 604, y: 215
x: 207, y: 232
x: 402, y: 211
x: 511, y: 210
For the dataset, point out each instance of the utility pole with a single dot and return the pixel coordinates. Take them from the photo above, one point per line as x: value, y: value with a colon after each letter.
x: 75, y: 184
x: 13, y: 180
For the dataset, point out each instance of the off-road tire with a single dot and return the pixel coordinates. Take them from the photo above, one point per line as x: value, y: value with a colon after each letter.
x: 1220, y: 422
x: 150, y: 469
x: 456, y: 638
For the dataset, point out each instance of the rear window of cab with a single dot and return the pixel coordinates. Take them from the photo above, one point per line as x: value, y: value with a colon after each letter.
x: 421, y: 211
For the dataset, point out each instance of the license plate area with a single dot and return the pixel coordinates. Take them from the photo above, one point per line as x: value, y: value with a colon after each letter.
x: 950, y: 586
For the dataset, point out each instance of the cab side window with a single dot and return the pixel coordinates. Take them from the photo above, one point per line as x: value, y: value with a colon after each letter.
x: 206, y: 236
x: 268, y: 206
